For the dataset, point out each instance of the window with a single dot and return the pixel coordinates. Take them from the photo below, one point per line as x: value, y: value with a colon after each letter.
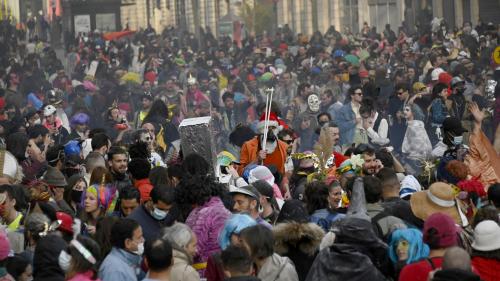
x: 350, y: 17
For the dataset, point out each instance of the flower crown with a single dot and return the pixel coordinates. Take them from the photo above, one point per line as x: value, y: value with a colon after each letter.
x: 352, y: 165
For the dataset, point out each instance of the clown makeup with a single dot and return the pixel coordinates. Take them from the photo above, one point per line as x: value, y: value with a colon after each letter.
x: 148, y: 139
x: 402, y: 250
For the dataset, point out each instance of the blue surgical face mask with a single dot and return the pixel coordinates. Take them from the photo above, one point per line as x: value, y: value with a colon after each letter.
x: 159, y: 214
x: 457, y: 140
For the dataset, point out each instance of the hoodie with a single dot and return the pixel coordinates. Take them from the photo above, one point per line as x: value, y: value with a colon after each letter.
x: 299, y: 242
x: 278, y: 268
x: 45, y: 261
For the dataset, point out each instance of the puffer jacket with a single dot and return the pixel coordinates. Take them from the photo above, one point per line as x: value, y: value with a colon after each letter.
x: 356, y: 255
x: 278, y: 268
x: 299, y: 242
x: 182, y: 269
x: 206, y: 222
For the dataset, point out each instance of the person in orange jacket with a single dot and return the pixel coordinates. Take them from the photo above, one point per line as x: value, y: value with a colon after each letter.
x: 275, y: 152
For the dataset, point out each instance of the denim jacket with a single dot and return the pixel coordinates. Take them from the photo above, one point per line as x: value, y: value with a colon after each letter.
x: 346, y: 120
x: 439, y: 112
x: 120, y: 265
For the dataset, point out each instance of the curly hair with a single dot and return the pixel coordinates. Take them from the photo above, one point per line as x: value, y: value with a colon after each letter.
x: 195, y: 164
x: 316, y: 196
x: 457, y: 169
x: 197, y: 189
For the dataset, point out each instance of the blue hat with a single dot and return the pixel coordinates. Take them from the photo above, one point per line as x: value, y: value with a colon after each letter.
x: 72, y: 148
x: 338, y: 53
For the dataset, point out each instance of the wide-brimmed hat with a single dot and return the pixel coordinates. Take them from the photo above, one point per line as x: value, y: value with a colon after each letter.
x: 486, y: 236
x: 439, y: 198
x: 247, y: 190
x: 54, y: 177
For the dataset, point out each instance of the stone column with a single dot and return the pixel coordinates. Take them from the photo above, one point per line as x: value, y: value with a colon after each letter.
x: 474, y: 6
x: 437, y: 8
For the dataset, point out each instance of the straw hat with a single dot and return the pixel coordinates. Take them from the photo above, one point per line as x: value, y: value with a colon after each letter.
x: 438, y: 198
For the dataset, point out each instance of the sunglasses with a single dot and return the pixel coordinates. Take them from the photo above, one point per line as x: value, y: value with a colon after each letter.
x: 400, y: 93
x: 358, y: 93
x: 288, y: 141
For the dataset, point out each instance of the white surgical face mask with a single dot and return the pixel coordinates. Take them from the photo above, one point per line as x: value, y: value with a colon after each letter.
x: 140, y: 249
x: 457, y: 140
x: 64, y: 261
x: 159, y: 214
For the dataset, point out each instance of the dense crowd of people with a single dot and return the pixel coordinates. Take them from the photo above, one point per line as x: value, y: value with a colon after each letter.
x: 341, y: 156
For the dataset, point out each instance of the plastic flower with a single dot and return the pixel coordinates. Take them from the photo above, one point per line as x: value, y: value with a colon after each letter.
x: 356, y: 161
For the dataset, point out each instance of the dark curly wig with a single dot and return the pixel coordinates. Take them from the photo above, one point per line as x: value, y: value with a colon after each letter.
x: 316, y: 196
x: 195, y: 164
x: 198, y: 189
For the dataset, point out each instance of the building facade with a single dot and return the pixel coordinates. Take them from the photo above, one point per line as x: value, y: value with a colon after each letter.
x: 307, y: 16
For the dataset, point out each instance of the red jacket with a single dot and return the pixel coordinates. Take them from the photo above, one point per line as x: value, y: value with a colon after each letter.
x: 488, y: 269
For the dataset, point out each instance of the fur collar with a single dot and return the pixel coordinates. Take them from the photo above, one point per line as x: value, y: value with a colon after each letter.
x: 304, y: 236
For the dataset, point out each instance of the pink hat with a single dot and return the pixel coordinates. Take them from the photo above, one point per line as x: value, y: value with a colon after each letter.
x: 4, y: 246
x: 440, y: 231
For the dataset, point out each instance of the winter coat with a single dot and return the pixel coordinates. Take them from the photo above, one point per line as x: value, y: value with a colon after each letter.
x: 342, y: 262
x: 45, y: 260
x: 207, y: 222
x: 357, y: 254
x: 182, y: 269
x: 299, y: 242
x: 278, y: 268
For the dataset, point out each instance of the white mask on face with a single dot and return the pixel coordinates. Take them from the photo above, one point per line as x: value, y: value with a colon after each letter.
x: 140, y: 249
x: 313, y: 103
x: 159, y: 214
x: 64, y: 261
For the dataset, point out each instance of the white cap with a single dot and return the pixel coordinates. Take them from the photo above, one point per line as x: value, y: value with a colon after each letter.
x: 49, y: 110
x: 435, y: 73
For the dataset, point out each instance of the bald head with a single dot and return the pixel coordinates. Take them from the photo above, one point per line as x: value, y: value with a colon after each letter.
x: 456, y: 258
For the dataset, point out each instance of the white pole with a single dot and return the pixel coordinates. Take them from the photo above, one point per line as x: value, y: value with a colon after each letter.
x: 268, y: 114
x: 266, y: 121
